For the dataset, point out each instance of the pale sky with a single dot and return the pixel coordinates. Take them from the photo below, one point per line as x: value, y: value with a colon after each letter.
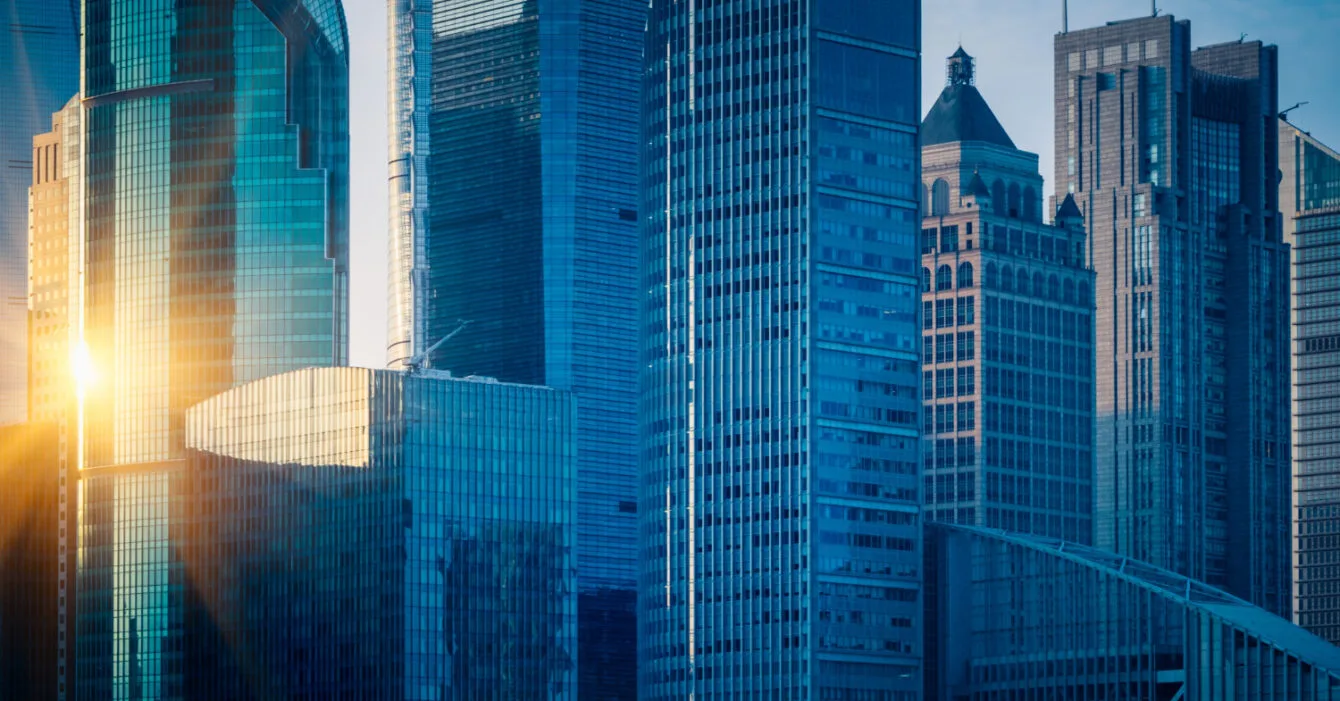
x: 1011, y: 40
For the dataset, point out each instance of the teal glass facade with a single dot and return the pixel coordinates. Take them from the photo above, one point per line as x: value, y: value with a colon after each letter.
x: 215, y: 183
x: 1013, y: 616
x: 39, y: 72
x: 513, y: 190
x: 353, y: 533
x: 780, y: 404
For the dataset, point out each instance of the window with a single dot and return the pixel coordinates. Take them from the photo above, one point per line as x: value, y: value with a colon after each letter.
x: 944, y: 313
x: 967, y: 311
x: 944, y: 278
x: 965, y: 275
x: 967, y: 343
x: 967, y: 416
x: 949, y: 239
x: 944, y: 348
x: 927, y: 314
x: 927, y: 349
x: 940, y: 198
x: 967, y: 382
x: 991, y: 278
x: 944, y: 383
x: 925, y: 279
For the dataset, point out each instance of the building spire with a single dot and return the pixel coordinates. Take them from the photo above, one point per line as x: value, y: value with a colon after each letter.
x: 960, y: 69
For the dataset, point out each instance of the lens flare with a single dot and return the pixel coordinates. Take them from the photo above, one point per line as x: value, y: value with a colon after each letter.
x: 81, y: 364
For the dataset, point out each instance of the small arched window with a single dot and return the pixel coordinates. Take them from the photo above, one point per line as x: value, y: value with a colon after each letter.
x: 1054, y: 288
x: 998, y: 204
x: 925, y: 279
x: 940, y: 198
x: 1031, y: 207
x: 1016, y: 200
x: 925, y: 201
x: 992, y: 278
x: 965, y: 275
x: 1069, y: 287
x: 1007, y: 278
x: 944, y: 278
x: 1084, y: 293
x: 1022, y: 283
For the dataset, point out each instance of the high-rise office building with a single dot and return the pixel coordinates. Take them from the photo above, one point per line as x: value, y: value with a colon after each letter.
x: 1171, y: 154
x: 1310, y: 203
x: 39, y: 71
x: 31, y: 619
x: 215, y: 188
x: 514, y: 207
x: 1007, y: 330
x: 780, y: 405
x: 55, y: 284
x: 354, y: 533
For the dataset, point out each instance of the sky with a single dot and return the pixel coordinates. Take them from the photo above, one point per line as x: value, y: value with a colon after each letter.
x: 1011, y: 40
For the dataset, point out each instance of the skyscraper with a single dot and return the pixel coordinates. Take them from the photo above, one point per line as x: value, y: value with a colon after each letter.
x: 372, y: 534
x: 514, y: 206
x: 55, y: 341
x: 32, y: 664
x: 1310, y: 202
x: 216, y: 233
x: 1007, y: 324
x: 780, y: 406
x: 1171, y: 154
x: 39, y: 71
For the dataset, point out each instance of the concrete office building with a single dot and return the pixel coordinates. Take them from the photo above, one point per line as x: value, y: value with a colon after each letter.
x: 1007, y: 330
x: 1172, y: 156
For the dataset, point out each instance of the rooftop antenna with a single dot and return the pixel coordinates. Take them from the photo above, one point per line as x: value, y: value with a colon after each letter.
x: 1153, y: 8
x: 421, y: 361
x: 1065, y: 16
x: 1284, y: 115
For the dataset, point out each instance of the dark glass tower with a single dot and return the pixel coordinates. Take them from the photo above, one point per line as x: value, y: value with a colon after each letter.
x: 513, y: 189
x: 418, y: 535
x: 215, y: 189
x: 39, y: 71
x: 1172, y: 155
x: 780, y: 405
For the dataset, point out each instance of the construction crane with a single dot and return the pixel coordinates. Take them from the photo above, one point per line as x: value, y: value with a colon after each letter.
x: 421, y: 360
x: 1285, y: 114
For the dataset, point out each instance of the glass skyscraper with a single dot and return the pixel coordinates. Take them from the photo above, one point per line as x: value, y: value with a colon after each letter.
x: 513, y: 204
x: 1310, y: 202
x: 780, y: 404
x: 1172, y: 156
x: 354, y: 533
x: 215, y: 189
x: 39, y: 71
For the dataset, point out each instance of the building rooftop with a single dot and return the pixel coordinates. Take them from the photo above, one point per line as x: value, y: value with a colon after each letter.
x: 961, y: 113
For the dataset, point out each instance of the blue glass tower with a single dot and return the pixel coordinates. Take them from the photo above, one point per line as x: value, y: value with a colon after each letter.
x: 39, y: 71
x: 514, y: 206
x: 780, y: 400
x: 369, y: 534
x: 215, y: 186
